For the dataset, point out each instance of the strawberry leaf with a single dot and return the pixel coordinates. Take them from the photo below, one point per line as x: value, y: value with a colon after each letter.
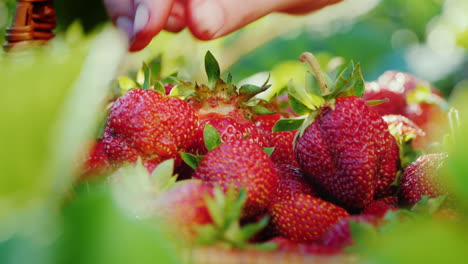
x: 147, y: 77
x: 190, y: 159
x: 249, y: 230
x: 159, y: 87
x: 162, y: 176
x: 269, y: 150
x: 155, y: 67
x: 261, y: 110
x: 428, y: 205
x: 229, y: 78
x: 287, y: 124
x: 298, y: 107
x: 349, y: 82
x: 252, y: 89
x: 211, y: 137
x: 311, y: 101
x: 212, y: 69
x: 376, y: 102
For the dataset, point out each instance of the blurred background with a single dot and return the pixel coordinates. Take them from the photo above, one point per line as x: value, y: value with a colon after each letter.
x: 51, y: 101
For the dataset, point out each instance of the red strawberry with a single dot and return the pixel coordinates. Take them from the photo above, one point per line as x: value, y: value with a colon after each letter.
x: 147, y: 124
x: 184, y: 208
x: 380, y: 207
x: 395, y: 105
x: 96, y: 162
x: 282, y: 141
x: 228, y: 108
x: 339, y: 235
x: 411, y: 97
x: 422, y: 177
x: 291, y: 182
x: 229, y: 129
x: 241, y: 164
x: 348, y: 152
x: 303, y: 248
x: 304, y: 217
x: 266, y: 122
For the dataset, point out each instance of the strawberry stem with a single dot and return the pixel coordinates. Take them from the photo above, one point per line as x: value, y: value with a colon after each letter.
x: 310, y: 59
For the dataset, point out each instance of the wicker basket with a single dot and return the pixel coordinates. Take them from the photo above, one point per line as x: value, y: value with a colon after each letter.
x: 215, y: 255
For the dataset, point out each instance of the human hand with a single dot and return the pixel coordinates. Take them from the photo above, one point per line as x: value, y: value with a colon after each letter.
x: 206, y: 19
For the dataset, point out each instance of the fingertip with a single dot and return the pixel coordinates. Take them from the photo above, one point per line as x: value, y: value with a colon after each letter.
x: 205, y: 18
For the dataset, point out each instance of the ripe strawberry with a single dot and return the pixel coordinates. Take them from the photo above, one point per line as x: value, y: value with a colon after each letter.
x: 147, y: 124
x: 395, y: 105
x: 229, y: 130
x: 348, y: 152
x: 303, y: 248
x: 304, y: 217
x: 281, y: 141
x: 228, y: 108
x: 184, y: 208
x: 339, y: 235
x: 241, y: 164
x: 291, y: 182
x: 422, y: 178
x: 380, y: 207
x: 96, y: 163
x: 412, y: 97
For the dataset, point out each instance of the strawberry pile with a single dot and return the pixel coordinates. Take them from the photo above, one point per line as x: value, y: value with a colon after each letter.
x: 249, y: 176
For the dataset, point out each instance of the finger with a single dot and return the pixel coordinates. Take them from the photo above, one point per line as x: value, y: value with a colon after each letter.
x: 309, y: 7
x: 176, y: 20
x: 149, y: 19
x: 209, y: 19
x: 118, y: 8
x: 121, y: 13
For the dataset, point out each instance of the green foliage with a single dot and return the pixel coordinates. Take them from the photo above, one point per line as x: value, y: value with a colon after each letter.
x: 226, y: 211
x: 211, y: 137
x: 212, y: 69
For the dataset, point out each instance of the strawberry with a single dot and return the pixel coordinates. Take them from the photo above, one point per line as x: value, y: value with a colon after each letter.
x: 303, y: 217
x: 422, y: 178
x: 343, y: 146
x: 348, y: 152
x: 281, y: 141
x: 303, y: 248
x: 241, y: 164
x: 395, y: 105
x: 196, y: 212
x: 380, y: 207
x: 184, y: 208
x: 228, y: 108
x: 291, y: 181
x: 96, y: 162
x: 339, y: 235
x: 229, y: 130
x: 144, y: 123
x: 412, y: 97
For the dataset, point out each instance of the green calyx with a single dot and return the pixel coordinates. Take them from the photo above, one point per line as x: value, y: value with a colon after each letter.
x: 212, y: 139
x: 320, y: 91
x: 222, y: 94
x: 148, y: 77
x: 226, y: 210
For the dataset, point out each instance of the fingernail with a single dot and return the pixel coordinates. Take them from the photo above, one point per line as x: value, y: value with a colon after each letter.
x: 141, y: 18
x: 125, y: 25
x: 209, y: 18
